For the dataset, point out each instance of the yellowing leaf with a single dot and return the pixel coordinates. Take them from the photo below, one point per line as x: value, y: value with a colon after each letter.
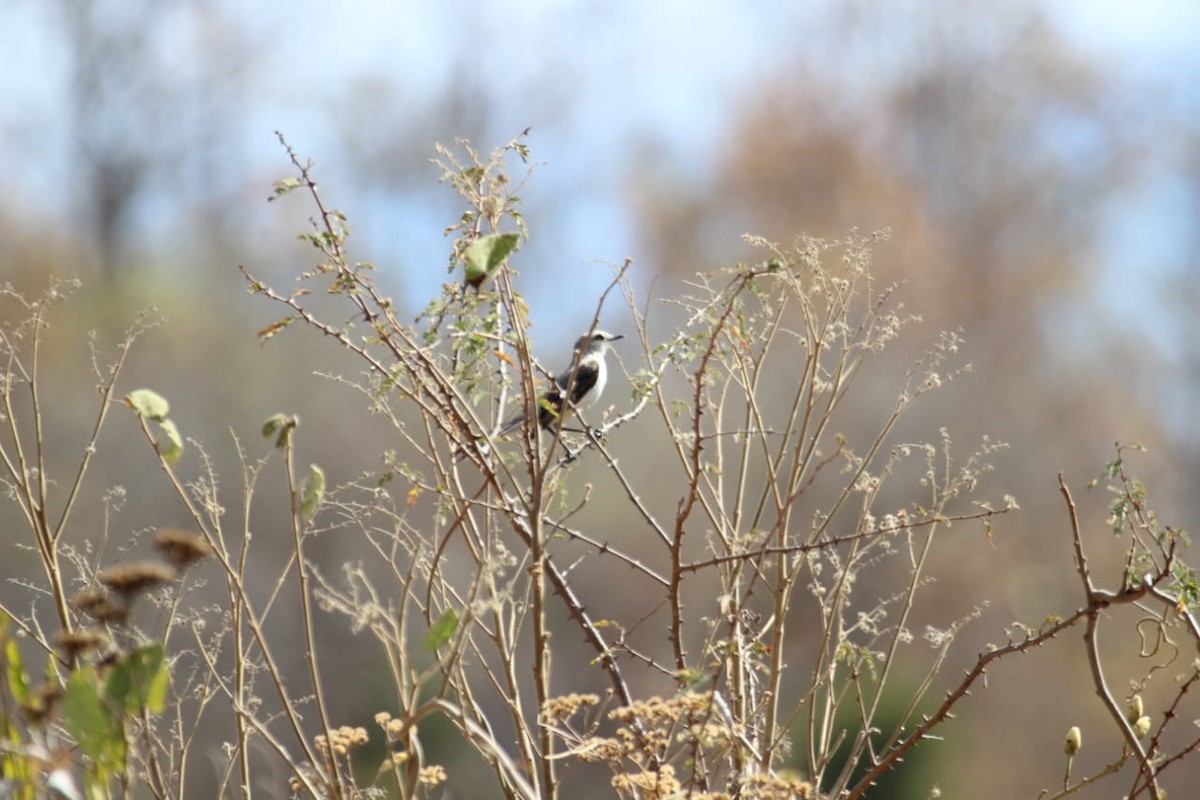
x: 274, y: 328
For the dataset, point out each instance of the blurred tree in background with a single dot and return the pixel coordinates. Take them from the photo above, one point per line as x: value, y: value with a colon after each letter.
x: 148, y: 94
x: 1021, y: 174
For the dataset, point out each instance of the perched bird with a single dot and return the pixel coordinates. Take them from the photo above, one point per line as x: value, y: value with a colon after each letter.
x: 584, y: 377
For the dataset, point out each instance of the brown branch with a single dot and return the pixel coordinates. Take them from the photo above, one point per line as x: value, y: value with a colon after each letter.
x: 943, y: 712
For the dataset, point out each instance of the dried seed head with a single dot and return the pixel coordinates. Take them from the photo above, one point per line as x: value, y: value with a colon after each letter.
x: 75, y: 642
x: 40, y: 702
x: 100, y: 605
x: 181, y: 548
x: 88, y: 599
x: 128, y: 579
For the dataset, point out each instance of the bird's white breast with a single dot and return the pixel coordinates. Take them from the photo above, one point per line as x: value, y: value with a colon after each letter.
x: 601, y: 379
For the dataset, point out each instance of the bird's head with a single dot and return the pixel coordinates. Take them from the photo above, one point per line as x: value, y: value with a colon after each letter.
x: 596, y: 342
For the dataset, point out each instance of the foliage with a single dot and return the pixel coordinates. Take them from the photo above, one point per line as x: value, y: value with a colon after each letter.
x: 785, y: 554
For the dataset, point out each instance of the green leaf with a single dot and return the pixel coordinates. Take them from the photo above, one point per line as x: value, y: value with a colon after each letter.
x: 441, y: 630
x: 281, y: 424
x: 283, y: 186
x: 273, y: 424
x: 98, y: 731
x: 148, y: 403
x: 18, y: 679
x: 170, y: 444
x: 138, y: 682
x: 545, y: 404
x: 485, y: 255
x: 313, y: 492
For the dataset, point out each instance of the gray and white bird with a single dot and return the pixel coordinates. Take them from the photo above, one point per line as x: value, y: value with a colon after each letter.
x: 590, y: 373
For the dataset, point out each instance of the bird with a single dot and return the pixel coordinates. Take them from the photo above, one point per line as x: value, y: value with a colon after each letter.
x: 585, y: 378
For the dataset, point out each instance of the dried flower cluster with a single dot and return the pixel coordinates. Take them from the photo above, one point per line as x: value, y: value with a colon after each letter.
x: 180, y: 548
x: 341, y: 740
x: 649, y: 736
x: 75, y: 643
x: 432, y: 775
x: 565, y: 706
x: 101, y: 605
x: 140, y: 576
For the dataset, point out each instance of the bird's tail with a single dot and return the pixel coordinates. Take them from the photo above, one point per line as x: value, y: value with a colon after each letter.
x: 511, y: 425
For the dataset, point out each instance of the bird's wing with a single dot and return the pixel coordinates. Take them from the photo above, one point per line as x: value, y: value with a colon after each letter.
x: 586, y: 377
x: 551, y: 403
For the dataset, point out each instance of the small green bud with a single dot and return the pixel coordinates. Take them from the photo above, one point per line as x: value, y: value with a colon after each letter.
x: 1141, y: 727
x: 1073, y: 742
x: 1134, y: 709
